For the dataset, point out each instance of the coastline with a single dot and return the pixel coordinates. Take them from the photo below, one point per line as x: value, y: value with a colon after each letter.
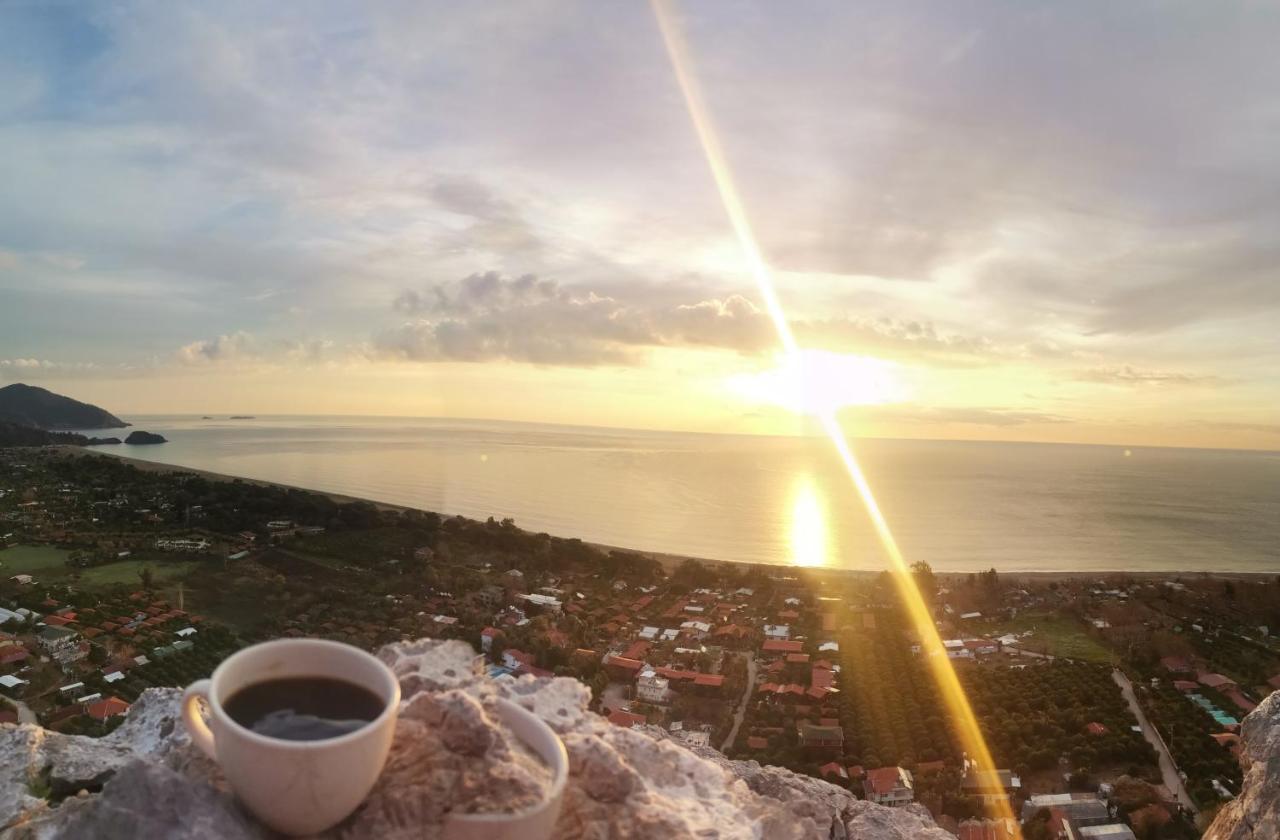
x: 671, y: 561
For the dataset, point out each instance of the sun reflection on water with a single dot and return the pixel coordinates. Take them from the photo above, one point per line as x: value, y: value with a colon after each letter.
x: 808, y: 525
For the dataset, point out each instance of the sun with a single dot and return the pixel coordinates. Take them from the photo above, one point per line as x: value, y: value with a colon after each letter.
x: 819, y: 382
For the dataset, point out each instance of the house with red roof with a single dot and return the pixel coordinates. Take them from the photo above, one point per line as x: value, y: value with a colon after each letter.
x: 638, y: 650
x: 517, y: 659
x: 13, y: 655
x: 775, y: 648
x: 892, y: 786
x: 622, y: 668
x: 1243, y: 703
x: 625, y: 719
x: 1095, y: 728
x: 1217, y: 682
x: 833, y: 770
x: 737, y: 632
x: 709, y: 683
x: 1177, y: 665
x: 108, y: 708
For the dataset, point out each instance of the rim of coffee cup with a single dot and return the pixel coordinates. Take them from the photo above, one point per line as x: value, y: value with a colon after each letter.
x: 520, y: 823
x: 391, y: 708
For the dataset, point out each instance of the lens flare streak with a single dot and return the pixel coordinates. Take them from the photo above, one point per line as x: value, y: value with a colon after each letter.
x: 961, y: 713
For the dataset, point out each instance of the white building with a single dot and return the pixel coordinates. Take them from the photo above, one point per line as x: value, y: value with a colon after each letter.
x: 182, y: 544
x: 546, y: 602
x: 777, y: 631
x: 652, y: 688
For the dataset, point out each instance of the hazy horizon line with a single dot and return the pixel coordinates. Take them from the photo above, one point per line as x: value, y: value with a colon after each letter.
x: 817, y: 433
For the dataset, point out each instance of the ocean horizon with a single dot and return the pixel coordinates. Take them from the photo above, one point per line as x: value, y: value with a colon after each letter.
x: 958, y: 505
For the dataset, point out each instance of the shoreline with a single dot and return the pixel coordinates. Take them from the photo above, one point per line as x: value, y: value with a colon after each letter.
x: 670, y: 560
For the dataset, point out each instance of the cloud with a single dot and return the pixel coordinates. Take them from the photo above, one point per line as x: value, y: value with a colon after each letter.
x: 1134, y: 376
x: 43, y: 366
x: 38, y: 370
x: 984, y: 184
x: 248, y: 350
x: 485, y: 317
x: 233, y: 347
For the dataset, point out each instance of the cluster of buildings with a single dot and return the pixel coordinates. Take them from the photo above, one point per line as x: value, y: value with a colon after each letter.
x: 1077, y: 816
x: 57, y: 641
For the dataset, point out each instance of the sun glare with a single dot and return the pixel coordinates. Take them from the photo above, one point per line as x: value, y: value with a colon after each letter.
x: 808, y: 526
x: 819, y: 382
x: 963, y: 719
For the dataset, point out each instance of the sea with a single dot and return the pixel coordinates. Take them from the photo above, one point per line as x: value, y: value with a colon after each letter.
x: 960, y: 506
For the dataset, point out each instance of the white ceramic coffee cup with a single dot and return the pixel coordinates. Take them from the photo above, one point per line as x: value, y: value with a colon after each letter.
x: 296, y: 787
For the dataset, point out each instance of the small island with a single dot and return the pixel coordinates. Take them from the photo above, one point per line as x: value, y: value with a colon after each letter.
x: 141, y: 437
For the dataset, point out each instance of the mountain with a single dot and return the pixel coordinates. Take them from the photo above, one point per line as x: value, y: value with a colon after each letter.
x: 27, y: 405
x: 13, y: 434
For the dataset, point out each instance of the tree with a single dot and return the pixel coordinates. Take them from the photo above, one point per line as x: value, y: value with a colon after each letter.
x: 1037, y: 828
x: 147, y: 577
x: 925, y: 581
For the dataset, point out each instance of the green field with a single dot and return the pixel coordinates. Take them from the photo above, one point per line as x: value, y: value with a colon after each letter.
x: 32, y: 559
x: 126, y: 572
x: 1056, y: 635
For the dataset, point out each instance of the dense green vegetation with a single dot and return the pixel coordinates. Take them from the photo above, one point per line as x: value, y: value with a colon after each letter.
x: 1186, y: 730
x: 1031, y: 716
x: 211, y: 645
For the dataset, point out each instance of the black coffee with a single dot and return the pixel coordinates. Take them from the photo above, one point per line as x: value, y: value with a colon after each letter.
x: 303, y: 708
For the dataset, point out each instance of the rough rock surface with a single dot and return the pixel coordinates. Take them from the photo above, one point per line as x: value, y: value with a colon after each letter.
x: 624, y: 783
x: 1255, y: 813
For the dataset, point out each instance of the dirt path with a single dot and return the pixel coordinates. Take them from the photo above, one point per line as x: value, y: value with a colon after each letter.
x: 742, y: 706
x: 1168, y: 769
x: 25, y: 715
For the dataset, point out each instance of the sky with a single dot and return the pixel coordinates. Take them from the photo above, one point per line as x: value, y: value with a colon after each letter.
x: 1010, y: 221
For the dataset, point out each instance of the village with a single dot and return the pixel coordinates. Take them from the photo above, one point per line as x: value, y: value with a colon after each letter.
x: 1111, y: 704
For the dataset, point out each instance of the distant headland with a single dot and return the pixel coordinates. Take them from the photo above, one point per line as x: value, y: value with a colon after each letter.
x: 27, y: 405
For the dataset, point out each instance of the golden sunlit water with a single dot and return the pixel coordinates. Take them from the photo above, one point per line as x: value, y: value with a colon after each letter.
x: 808, y: 525
x: 957, y: 702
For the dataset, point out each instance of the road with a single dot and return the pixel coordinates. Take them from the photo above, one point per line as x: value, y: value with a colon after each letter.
x: 1168, y: 769
x: 25, y: 715
x: 742, y: 707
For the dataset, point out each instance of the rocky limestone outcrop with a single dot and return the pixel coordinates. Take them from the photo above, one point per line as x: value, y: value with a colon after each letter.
x: 147, y: 780
x: 1255, y: 813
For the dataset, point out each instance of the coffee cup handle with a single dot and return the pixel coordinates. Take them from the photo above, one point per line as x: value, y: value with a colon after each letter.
x: 199, y: 731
